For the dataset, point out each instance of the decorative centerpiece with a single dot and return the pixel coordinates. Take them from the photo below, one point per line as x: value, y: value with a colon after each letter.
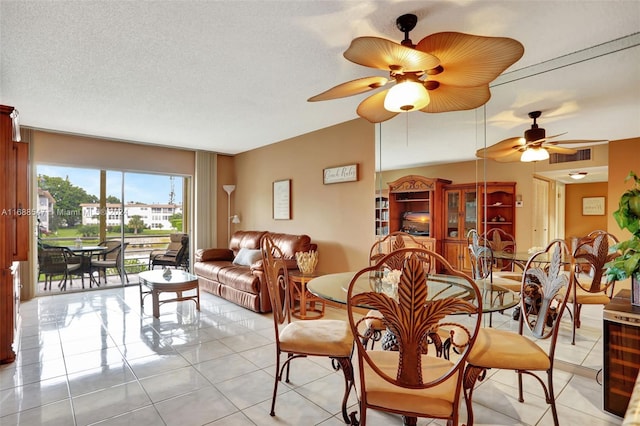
x: 167, y: 274
x: 390, y: 282
x: 307, y: 261
x: 627, y: 265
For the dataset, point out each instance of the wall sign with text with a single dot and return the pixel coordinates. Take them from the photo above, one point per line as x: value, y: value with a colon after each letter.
x: 348, y: 173
x: 593, y: 206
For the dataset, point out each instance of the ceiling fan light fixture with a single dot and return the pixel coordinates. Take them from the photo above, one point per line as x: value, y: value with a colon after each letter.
x: 406, y: 96
x: 534, y: 154
x: 577, y: 175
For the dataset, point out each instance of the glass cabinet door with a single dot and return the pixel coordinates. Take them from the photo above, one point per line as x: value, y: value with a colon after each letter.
x: 470, y: 211
x: 453, y: 213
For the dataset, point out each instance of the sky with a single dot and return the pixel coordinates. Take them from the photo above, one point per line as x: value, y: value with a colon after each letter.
x: 139, y: 187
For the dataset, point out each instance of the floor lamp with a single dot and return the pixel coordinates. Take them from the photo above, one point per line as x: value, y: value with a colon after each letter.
x: 229, y: 189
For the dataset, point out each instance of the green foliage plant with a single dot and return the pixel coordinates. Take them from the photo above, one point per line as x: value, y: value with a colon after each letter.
x: 627, y: 216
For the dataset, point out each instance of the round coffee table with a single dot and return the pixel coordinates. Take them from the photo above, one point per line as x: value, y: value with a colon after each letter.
x: 175, y: 281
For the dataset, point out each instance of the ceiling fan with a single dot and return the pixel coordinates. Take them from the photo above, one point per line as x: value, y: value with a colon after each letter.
x: 446, y: 71
x: 534, y: 146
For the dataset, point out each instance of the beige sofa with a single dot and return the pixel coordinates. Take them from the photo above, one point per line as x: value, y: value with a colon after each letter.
x: 235, y: 273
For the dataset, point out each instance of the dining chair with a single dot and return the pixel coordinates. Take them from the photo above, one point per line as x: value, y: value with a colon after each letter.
x: 391, y: 242
x: 544, y: 288
x: 592, y: 253
x: 303, y: 338
x: 500, y: 240
x: 483, y: 263
x: 411, y: 381
x: 111, y: 258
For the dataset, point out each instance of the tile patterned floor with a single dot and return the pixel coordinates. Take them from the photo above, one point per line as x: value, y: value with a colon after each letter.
x: 93, y: 359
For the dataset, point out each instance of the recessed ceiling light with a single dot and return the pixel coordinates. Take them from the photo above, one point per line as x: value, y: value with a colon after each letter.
x: 577, y: 175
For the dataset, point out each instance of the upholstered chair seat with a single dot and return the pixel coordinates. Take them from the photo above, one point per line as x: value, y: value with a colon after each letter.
x: 321, y: 338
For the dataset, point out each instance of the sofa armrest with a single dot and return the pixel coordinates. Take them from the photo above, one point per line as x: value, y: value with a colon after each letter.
x: 204, y: 255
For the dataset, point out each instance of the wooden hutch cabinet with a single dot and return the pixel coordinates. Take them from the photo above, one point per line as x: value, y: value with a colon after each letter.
x: 461, y: 215
x: 14, y: 227
x: 480, y: 206
x: 415, y: 207
x: 498, y: 209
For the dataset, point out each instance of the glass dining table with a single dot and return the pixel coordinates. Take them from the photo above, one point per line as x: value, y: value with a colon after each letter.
x: 333, y: 287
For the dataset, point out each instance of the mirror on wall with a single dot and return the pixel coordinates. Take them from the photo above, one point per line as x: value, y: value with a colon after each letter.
x: 402, y: 150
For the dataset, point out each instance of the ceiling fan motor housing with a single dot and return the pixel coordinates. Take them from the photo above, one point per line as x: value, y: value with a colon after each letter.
x: 534, y: 133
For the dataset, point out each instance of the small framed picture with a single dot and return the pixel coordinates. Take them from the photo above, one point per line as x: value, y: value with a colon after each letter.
x: 282, y: 199
x: 593, y: 206
x: 348, y: 173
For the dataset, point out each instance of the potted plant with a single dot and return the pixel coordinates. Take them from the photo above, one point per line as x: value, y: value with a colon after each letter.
x: 627, y: 265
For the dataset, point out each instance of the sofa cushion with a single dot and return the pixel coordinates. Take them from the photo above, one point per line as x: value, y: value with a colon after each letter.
x: 246, y: 239
x: 239, y: 277
x: 206, y: 255
x: 247, y: 257
x: 290, y: 244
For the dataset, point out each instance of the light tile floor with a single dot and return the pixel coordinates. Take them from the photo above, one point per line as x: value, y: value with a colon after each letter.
x: 92, y: 358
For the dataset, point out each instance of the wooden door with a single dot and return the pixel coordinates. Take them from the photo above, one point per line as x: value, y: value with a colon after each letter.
x: 540, y: 229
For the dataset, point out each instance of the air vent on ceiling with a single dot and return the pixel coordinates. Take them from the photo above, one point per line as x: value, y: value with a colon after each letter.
x: 581, y: 155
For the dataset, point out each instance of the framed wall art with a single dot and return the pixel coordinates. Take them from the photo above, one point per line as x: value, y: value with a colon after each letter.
x: 593, y: 206
x: 339, y: 174
x: 282, y: 199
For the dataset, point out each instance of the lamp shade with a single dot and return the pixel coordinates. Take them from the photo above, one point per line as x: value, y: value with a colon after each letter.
x: 228, y: 188
x: 534, y: 154
x: 406, y: 96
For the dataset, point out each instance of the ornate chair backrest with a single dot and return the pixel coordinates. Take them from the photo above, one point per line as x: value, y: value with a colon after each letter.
x: 392, y: 242
x: 592, y: 254
x: 546, y: 285
x: 480, y: 255
x: 277, y: 279
x: 424, y: 302
x: 500, y: 240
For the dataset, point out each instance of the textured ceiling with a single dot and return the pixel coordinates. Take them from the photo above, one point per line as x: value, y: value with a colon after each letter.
x: 230, y: 76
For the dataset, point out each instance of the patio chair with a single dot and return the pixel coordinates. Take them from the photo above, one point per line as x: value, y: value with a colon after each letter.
x: 111, y: 258
x: 176, y: 255
x: 56, y: 261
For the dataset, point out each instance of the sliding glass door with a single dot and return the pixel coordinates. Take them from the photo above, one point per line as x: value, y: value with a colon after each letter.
x: 124, y: 215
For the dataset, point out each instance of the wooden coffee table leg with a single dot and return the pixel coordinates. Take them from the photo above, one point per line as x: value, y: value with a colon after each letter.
x: 155, y: 301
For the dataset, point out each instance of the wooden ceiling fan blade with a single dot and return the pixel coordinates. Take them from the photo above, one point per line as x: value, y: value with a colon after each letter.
x: 553, y: 149
x: 511, y: 158
x: 372, y: 108
x: 447, y: 98
x: 492, y: 152
x: 510, y: 143
x: 483, y: 153
x: 471, y: 60
x: 350, y: 88
x: 582, y: 142
x: 380, y: 53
